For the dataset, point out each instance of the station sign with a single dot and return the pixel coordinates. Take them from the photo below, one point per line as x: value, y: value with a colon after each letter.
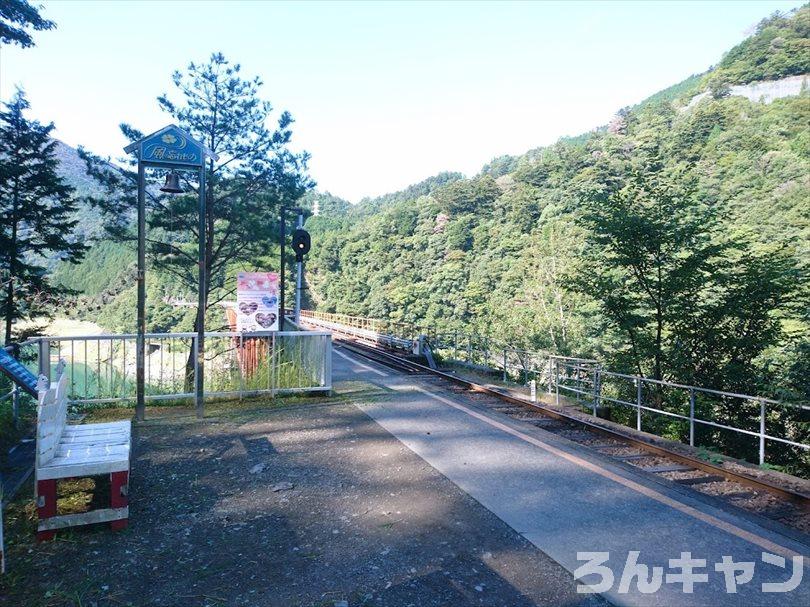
x: 171, y: 146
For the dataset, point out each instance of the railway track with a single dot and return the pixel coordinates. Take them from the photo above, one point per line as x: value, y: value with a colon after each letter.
x: 779, y: 503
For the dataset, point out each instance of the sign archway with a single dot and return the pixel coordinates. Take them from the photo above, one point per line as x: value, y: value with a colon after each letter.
x: 170, y: 148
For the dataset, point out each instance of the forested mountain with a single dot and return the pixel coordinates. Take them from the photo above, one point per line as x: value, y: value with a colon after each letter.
x: 73, y: 170
x: 779, y: 48
x: 552, y: 249
x: 367, y: 206
x: 104, y: 281
x: 540, y: 249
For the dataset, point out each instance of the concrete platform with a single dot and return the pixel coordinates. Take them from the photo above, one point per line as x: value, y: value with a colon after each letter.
x: 566, y: 501
x: 261, y: 505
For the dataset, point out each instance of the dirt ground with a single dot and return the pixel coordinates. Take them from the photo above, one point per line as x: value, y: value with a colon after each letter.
x: 311, y: 504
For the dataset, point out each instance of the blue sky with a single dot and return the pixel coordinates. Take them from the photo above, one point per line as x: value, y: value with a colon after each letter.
x: 384, y: 94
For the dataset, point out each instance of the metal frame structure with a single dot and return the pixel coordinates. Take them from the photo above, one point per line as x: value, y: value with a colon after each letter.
x: 188, y: 161
x: 282, y: 266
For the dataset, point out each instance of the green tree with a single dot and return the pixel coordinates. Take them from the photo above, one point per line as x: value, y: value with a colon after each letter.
x: 256, y: 173
x: 777, y: 49
x: 689, y: 302
x: 17, y: 16
x: 468, y: 196
x: 37, y: 214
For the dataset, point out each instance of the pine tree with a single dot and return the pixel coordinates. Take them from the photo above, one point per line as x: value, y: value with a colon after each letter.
x: 256, y: 173
x: 16, y: 16
x: 36, y: 214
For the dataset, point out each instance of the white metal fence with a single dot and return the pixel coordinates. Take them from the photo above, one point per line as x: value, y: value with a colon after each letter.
x: 690, y: 412
x: 739, y: 423
x: 376, y: 331
x: 101, y: 368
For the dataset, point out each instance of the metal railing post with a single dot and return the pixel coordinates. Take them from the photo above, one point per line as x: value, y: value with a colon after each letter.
x: 761, y: 432
x: 15, y: 405
x: 596, y: 389
x: 195, y: 354
x: 240, y: 365
x: 549, y: 374
x: 45, y: 358
x: 638, y: 404
x: 504, y: 366
x: 273, y: 359
x: 691, y: 417
x: 557, y: 381
x: 455, y: 344
x: 328, y: 362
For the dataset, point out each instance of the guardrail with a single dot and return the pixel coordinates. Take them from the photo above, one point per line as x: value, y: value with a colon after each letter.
x: 101, y: 368
x: 468, y: 348
x: 371, y: 331
x: 688, y: 413
x: 374, y: 325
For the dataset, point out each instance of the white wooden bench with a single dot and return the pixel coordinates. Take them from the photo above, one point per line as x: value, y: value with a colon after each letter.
x: 70, y: 451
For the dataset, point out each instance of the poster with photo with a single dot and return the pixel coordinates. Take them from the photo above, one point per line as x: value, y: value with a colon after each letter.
x: 257, y: 301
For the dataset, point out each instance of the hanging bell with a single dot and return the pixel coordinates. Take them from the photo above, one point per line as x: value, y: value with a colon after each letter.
x: 172, y: 185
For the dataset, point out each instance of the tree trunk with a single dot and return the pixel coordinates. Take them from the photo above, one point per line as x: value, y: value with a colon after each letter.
x: 12, y: 263
x: 658, y: 343
x: 191, y: 368
x: 9, y: 308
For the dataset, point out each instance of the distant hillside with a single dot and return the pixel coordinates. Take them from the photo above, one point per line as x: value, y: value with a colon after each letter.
x: 473, y: 252
x: 107, y: 268
x: 495, y: 252
x: 677, y: 93
x: 72, y: 170
x: 779, y: 47
x: 423, y: 188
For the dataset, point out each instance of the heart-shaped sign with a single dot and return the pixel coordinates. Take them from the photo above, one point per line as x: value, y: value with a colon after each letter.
x: 248, y: 308
x: 265, y: 320
x: 270, y: 302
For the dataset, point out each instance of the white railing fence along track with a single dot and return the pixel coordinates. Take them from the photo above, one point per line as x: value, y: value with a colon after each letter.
x: 745, y: 425
x: 101, y: 368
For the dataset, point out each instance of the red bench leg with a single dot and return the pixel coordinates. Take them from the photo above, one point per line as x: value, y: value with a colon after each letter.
x: 119, y: 498
x: 46, y: 506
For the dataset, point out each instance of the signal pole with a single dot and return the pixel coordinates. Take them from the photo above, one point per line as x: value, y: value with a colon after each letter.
x: 281, y: 271
x: 299, y: 272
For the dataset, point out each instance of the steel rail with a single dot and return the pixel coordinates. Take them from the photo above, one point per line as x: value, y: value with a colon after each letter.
x: 384, y: 358
x: 797, y: 497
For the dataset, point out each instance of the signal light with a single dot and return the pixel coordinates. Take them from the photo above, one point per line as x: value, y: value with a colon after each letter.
x: 301, y: 243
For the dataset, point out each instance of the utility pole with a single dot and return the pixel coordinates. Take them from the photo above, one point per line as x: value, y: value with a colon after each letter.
x: 281, y: 271
x: 299, y: 271
x: 199, y: 384
x: 140, y: 345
